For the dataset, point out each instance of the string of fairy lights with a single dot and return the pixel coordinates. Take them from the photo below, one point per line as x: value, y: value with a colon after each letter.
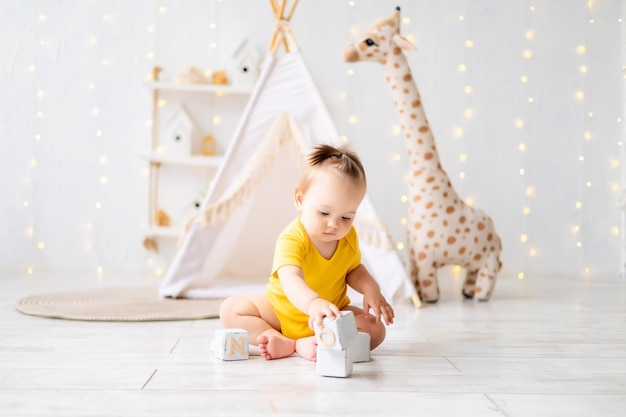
x: 523, y: 125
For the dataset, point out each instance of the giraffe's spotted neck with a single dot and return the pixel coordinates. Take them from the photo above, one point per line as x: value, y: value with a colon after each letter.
x: 407, y: 100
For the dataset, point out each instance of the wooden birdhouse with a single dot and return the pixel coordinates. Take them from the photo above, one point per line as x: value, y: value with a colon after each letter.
x: 247, y: 64
x: 209, y: 147
x: 192, y: 207
x: 178, y: 135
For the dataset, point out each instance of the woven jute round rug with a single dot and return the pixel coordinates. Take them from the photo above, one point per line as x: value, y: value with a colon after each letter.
x: 117, y: 304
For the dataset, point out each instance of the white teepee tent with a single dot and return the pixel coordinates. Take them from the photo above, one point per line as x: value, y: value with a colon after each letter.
x: 229, y: 245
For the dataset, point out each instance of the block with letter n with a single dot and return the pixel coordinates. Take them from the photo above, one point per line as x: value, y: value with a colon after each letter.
x: 231, y: 344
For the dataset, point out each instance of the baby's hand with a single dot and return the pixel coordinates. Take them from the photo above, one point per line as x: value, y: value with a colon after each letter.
x: 380, y: 308
x: 320, y: 308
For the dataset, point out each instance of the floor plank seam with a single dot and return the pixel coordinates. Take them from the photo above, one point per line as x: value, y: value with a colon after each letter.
x: 149, y: 379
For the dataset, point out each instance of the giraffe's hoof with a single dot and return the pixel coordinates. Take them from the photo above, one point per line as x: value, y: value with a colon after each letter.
x: 431, y: 301
x: 468, y: 296
x: 483, y: 300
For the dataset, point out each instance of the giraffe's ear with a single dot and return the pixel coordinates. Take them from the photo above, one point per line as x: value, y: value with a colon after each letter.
x: 403, y: 43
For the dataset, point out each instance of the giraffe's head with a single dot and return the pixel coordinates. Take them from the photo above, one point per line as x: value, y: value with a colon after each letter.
x: 381, y: 41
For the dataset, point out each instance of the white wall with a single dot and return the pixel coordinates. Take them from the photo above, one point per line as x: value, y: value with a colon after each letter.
x: 74, y: 117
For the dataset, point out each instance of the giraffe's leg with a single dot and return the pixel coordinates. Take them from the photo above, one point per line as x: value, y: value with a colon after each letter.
x: 413, y: 271
x: 486, y: 279
x: 469, y: 286
x: 428, y: 284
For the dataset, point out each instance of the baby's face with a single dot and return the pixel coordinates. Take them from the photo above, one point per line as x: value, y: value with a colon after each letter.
x: 329, y: 205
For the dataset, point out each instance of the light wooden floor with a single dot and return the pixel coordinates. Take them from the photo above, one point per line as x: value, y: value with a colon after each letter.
x: 541, y: 347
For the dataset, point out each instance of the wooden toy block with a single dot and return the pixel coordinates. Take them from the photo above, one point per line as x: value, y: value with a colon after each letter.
x: 336, y: 334
x: 231, y: 344
x: 360, y: 349
x: 331, y: 362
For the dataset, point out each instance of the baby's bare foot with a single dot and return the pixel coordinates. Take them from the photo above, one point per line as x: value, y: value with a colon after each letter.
x: 275, y: 347
x: 307, y: 348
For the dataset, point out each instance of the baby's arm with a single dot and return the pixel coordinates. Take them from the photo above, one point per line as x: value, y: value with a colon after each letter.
x: 362, y: 281
x: 303, y: 297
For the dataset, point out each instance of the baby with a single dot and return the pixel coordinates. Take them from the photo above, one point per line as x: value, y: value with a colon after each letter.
x: 315, y: 259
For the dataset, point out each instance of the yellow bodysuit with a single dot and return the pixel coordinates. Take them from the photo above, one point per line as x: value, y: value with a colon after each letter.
x: 327, y: 277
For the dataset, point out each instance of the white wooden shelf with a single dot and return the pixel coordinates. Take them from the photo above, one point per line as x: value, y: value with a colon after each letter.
x: 164, y: 231
x: 184, y: 172
x: 200, y: 88
x: 191, y: 160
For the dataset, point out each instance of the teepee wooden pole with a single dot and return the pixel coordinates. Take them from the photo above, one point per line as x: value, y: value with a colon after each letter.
x: 291, y: 10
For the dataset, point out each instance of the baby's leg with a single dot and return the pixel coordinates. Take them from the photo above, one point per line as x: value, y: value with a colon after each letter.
x: 307, y: 348
x: 255, y: 314
x: 366, y: 323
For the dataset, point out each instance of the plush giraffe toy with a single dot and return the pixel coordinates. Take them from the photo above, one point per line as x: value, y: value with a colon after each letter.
x: 443, y: 230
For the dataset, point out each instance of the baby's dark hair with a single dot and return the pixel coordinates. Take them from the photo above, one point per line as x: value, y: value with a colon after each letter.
x: 342, y: 159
